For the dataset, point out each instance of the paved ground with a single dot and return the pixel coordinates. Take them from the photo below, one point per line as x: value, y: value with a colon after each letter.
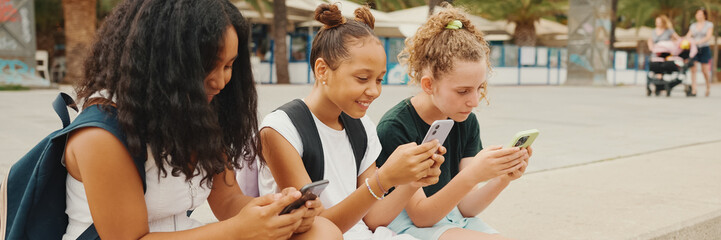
x: 610, y: 163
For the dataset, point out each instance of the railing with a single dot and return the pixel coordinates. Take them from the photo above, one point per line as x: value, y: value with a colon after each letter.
x: 512, y: 65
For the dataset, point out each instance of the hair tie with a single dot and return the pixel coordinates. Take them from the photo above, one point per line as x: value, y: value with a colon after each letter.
x: 342, y: 21
x: 455, y: 25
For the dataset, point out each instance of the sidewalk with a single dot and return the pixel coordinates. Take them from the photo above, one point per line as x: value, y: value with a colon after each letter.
x: 671, y: 194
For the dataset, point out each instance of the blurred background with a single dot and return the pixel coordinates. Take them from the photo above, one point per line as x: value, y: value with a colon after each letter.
x: 43, y: 41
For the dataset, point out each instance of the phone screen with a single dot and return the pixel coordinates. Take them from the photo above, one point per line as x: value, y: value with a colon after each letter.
x: 521, y: 141
x: 524, y: 138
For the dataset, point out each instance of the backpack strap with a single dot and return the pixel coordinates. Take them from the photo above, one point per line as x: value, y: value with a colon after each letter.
x: 61, y: 104
x: 302, y: 119
x: 94, y: 116
x: 89, y: 234
x: 357, y: 136
x: 97, y: 116
x: 313, y: 158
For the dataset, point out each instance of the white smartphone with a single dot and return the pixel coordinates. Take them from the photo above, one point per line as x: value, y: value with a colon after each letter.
x: 439, y: 130
x: 524, y: 138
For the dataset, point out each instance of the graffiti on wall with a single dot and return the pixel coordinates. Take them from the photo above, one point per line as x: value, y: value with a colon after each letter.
x: 7, y: 43
x: 12, y: 71
x: 17, y: 43
x: 17, y: 32
x: 7, y: 11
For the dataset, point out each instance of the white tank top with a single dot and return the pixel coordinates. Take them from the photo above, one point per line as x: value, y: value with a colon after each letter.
x: 167, y: 199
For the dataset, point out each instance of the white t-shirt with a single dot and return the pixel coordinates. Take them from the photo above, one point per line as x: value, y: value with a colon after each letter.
x: 339, y: 163
x: 167, y: 200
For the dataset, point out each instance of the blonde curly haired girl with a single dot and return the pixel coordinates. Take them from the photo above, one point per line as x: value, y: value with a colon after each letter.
x: 448, y: 58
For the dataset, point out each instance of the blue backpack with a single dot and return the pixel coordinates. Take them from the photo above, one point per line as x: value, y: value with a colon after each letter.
x: 33, y: 193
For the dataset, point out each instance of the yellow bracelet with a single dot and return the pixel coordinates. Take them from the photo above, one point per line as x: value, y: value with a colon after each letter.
x: 371, y: 191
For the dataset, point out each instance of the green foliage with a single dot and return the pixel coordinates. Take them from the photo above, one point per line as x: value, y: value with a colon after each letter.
x: 259, y: 5
x: 12, y: 87
x: 48, y: 13
x: 515, y: 10
x: 637, y: 13
x: 391, y: 5
x: 105, y: 7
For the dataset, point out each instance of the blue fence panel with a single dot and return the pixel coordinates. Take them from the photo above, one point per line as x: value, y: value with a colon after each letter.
x: 512, y: 64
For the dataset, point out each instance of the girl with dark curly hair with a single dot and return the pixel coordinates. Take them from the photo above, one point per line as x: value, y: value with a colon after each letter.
x: 178, y: 73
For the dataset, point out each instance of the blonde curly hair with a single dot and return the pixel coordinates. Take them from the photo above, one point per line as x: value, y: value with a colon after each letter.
x: 435, y: 48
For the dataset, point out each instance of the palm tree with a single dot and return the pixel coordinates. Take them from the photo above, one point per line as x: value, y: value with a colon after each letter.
x: 280, y: 52
x: 80, y: 19
x: 280, y: 24
x: 524, y: 13
x: 614, y: 19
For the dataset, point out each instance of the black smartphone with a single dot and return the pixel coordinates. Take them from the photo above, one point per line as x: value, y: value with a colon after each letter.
x: 310, y: 191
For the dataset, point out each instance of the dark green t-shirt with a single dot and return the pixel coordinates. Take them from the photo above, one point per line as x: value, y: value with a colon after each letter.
x: 402, y: 124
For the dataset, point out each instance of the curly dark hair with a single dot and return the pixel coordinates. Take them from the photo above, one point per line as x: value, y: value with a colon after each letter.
x: 152, y: 56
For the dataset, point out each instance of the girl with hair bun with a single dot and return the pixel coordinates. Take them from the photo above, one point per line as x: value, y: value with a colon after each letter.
x: 448, y: 57
x: 348, y: 63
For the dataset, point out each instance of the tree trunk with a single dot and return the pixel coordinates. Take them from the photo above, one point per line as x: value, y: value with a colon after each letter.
x: 525, y: 34
x: 80, y: 27
x: 280, y: 53
x: 614, y: 19
x: 432, y: 5
x: 714, y: 63
x: 684, y: 23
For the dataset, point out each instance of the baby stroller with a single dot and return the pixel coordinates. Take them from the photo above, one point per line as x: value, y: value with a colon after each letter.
x: 669, y: 63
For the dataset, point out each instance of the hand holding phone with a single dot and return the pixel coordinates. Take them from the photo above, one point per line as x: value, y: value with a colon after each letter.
x: 310, y: 191
x: 524, y: 139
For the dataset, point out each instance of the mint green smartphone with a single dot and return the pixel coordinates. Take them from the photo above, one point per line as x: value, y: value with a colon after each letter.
x: 524, y: 138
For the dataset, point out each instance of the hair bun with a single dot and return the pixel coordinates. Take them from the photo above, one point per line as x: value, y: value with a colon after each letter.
x: 329, y: 15
x: 363, y: 14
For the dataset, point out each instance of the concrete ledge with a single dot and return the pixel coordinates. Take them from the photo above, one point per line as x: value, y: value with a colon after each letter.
x: 704, y: 227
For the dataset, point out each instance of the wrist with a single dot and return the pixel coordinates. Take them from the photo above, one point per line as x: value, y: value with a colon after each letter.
x: 469, y: 178
x: 471, y: 175
x: 501, y: 180
x: 376, y: 193
x: 385, y: 180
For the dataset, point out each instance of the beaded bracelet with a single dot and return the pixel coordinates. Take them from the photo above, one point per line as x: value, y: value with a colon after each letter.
x: 378, y: 180
x: 371, y: 191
